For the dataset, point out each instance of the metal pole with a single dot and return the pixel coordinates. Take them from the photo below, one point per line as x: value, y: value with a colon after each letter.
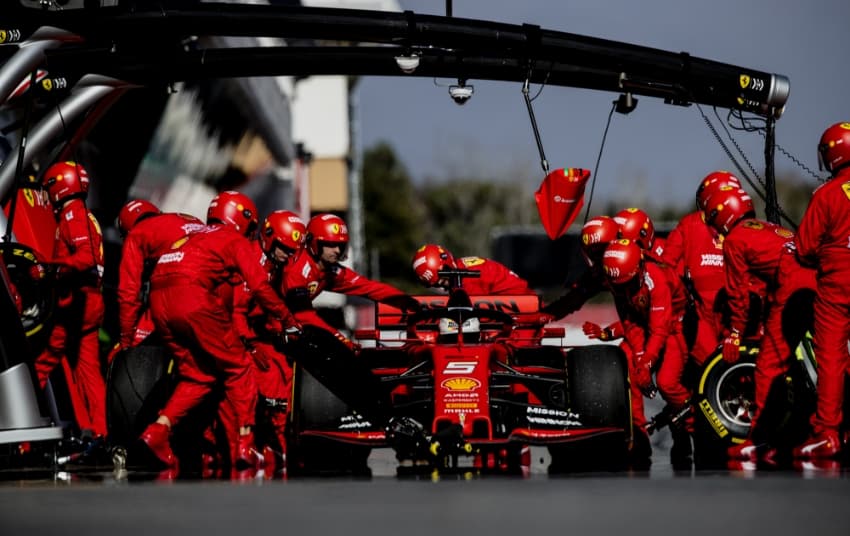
x: 771, y: 200
x: 543, y: 162
x: 19, y: 165
x: 52, y: 126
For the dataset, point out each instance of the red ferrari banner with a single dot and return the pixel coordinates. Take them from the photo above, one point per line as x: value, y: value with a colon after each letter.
x: 560, y: 198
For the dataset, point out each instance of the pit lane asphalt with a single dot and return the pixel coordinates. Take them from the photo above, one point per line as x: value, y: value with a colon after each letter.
x: 657, y: 501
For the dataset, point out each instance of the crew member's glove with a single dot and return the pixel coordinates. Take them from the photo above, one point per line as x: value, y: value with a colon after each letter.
x: 292, y: 333
x: 595, y: 331
x: 643, y: 375
x: 731, y: 347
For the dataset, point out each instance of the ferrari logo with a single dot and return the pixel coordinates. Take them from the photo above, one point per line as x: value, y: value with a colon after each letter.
x: 313, y: 287
x: 472, y: 261
x: 2, y: 36
x: 29, y: 197
x: 296, y: 235
x: 47, y: 84
x: 745, y: 81
x: 335, y: 228
x: 751, y: 224
x: 179, y: 243
x: 784, y: 233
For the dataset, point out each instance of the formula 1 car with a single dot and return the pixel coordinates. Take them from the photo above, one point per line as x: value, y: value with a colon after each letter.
x: 468, y: 382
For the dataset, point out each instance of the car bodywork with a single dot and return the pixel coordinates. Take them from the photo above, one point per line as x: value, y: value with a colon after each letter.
x: 451, y: 400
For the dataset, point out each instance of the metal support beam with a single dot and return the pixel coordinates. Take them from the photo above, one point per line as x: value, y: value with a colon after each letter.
x: 89, y: 91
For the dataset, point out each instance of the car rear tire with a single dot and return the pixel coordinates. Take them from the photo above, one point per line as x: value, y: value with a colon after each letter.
x: 137, y: 387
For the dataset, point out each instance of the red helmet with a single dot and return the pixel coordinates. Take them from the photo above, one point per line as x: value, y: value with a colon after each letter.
x: 596, y: 234
x: 326, y: 228
x: 132, y: 212
x: 727, y: 207
x: 64, y: 180
x: 285, y: 228
x: 711, y: 183
x: 234, y: 209
x: 834, y: 147
x: 636, y: 225
x: 622, y: 261
x: 430, y: 259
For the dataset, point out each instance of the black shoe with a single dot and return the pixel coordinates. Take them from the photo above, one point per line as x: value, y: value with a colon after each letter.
x: 641, y: 451
x: 682, y: 452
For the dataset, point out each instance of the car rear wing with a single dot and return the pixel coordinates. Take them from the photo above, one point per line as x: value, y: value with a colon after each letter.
x: 519, y: 305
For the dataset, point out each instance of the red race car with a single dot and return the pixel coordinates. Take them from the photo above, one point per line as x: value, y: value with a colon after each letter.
x: 468, y: 382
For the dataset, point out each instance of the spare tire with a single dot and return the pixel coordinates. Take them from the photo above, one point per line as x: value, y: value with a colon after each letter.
x: 28, y: 273
x: 723, y: 400
x: 138, y: 384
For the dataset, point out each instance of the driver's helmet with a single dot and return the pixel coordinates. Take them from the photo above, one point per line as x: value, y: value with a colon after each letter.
x: 834, y: 147
x: 471, y: 330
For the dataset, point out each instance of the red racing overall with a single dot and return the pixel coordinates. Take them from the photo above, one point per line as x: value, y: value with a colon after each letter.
x: 272, y: 370
x: 143, y: 245
x: 823, y: 240
x: 695, y: 251
x: 652, y: 318
x: 78, y: 254
x: 303, y: 279
x: 764, y: 251
x: 191, y: 310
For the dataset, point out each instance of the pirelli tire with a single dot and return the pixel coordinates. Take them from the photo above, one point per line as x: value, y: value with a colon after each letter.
x: 138, y: 384
x: 723, y: 403
x: 598, y: 392
x: 29, y: 274
x: 314, y: 407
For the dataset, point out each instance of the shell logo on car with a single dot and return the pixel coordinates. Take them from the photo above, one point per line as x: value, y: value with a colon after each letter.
x: 461, y: 384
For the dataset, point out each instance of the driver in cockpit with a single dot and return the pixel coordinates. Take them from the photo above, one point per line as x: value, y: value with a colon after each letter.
x: 470, y: 330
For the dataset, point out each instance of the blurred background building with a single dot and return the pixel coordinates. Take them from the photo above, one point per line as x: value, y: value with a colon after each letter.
x: 289, y: 143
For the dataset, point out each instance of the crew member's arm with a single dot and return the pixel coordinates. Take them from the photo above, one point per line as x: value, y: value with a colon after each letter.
x: 129, y: 288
